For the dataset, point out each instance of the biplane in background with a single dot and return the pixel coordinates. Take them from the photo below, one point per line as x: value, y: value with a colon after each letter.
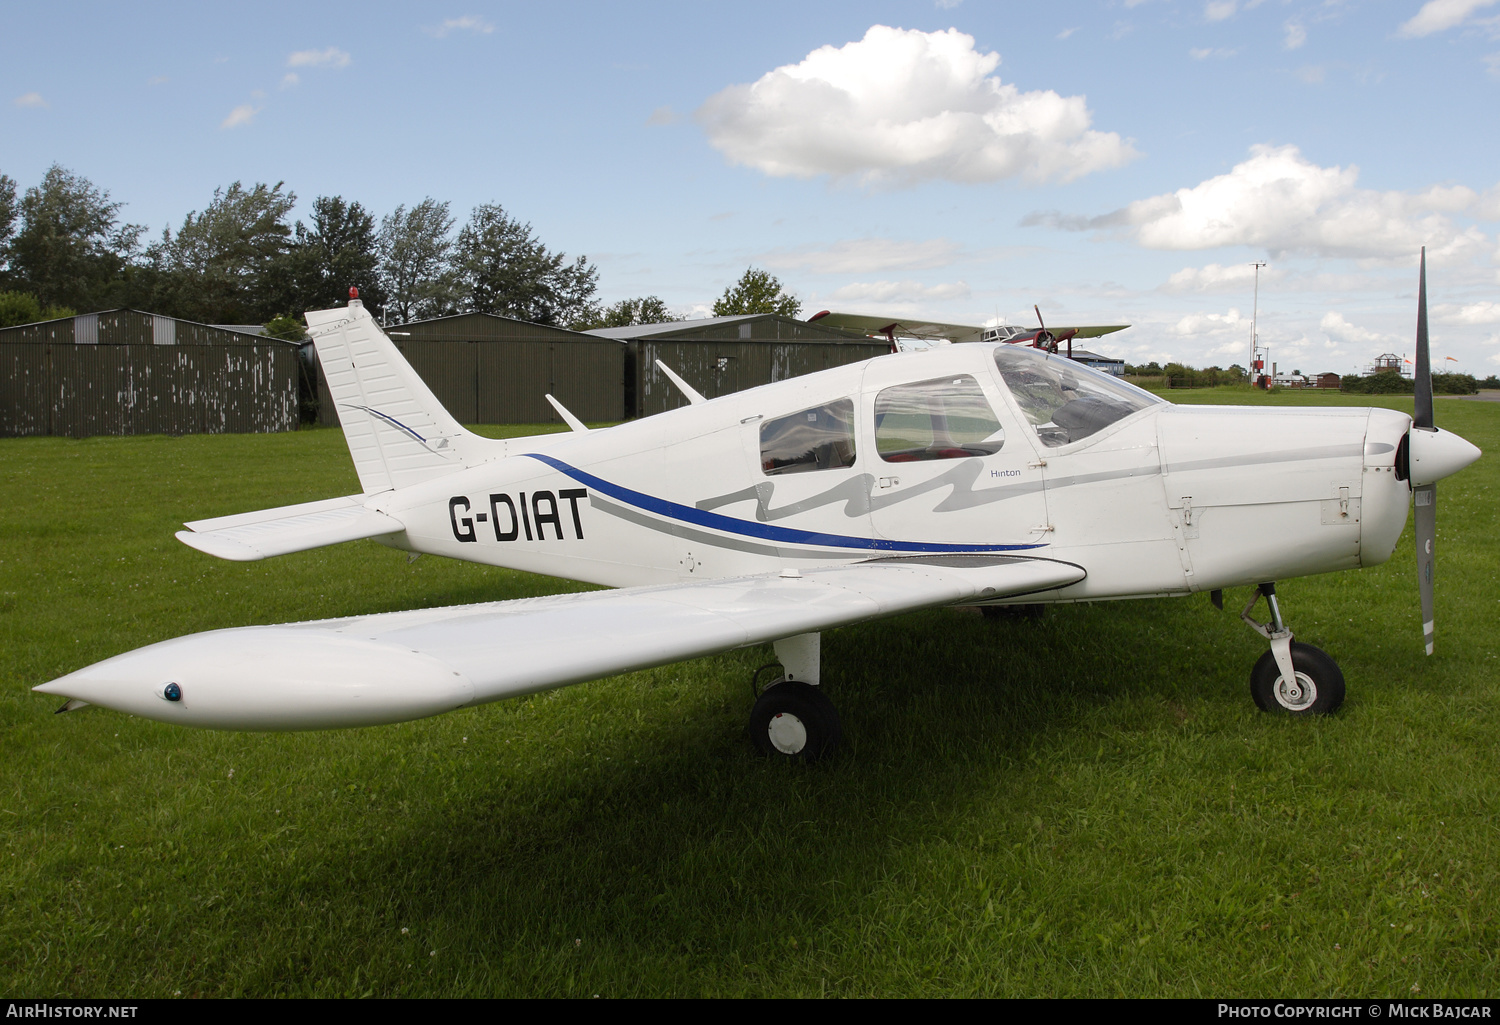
x: 983, y: 474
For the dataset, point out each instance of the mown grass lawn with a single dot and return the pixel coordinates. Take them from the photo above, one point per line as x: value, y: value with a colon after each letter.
x: 1085, y: 805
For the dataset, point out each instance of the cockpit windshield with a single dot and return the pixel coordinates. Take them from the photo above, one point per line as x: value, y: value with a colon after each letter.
x: 1066, y: 401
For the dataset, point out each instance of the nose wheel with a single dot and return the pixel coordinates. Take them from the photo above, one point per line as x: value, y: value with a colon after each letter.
x: 1316, y: 686
x: 1294, y: 678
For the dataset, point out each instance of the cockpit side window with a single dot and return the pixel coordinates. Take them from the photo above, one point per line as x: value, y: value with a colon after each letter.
x: 947, y: 418
x: 821, y: 438
x: 1065, y: 401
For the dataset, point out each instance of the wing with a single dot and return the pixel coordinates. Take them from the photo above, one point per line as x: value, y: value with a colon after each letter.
x: 1090, y: 330
x: 405, y: 665
x: 901, y: 328
x: 246, y: 537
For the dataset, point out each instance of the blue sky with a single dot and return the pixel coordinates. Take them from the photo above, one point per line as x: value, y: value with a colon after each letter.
x: 1110, y: 161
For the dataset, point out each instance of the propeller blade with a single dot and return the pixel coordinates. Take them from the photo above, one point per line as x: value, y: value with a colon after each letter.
x: 1425, y: 496
x: 1422, y: 416
x: 1426, y: 527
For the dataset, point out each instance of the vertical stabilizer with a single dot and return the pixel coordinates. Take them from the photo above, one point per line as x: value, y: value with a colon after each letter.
x: 398, y: 432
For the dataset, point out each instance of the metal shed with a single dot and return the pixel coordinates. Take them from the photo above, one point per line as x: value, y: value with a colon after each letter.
x: 1109, y: 364
x: 720, y: 355
x: 494, y: 370
x: 128, y: 372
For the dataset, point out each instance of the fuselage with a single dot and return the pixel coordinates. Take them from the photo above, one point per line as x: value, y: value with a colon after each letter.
x: 963, y: 449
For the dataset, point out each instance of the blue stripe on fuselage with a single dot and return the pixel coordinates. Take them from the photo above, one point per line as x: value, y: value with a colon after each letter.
x: 763, y: 531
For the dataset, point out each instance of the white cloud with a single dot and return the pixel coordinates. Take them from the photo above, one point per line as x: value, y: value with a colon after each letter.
x: 468, y: 23
x: 1492, y: 64
x: 946, y: 5
x: 30, y: 100
x: 1207, y: 52
x: 1219, y: 10
x: 241, y: 115
x: 1340, y: 330
x: 866, y: 256
x: 1212, y: 324
x: 1295, y: 36
x: 1217, y: 278
x: 902, y: 106
x: 158, y: 80
x: 289, y: 79
x: 1473, y: 313
x: 1279, y: 201
x: 663, y: 116
x: 1065, y: 33
x: 332, y: 57
x: 1441, y: 15
x: 898, y: 291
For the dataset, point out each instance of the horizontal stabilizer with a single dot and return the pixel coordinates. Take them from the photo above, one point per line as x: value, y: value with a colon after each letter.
x: 395, y: 666
x: 292, y: 528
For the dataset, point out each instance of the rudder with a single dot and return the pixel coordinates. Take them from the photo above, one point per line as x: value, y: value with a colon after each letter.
x: 397, y: 431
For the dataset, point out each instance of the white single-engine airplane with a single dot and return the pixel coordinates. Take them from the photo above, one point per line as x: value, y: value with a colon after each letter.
x: 980, y: 474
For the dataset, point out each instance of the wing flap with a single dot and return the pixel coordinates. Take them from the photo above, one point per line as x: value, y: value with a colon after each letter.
x: 293, y: 528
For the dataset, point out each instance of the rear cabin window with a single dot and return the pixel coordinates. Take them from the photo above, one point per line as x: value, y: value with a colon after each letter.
x: 947, y: 418
x: 821, y: 438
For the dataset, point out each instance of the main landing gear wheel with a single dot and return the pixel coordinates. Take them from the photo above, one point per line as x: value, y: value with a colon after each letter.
x: 1317, y: 690
x: 794, y: 721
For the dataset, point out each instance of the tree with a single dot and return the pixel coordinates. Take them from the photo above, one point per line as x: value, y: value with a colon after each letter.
x: 503, y: 268
x: 291, y: 329
x: 224, y: 263
x: 338, y: 251
x: 71, y: 246
x: 756, y: 292
x: 23, y: 308
x: 414, y: 251
x: 8, y: 211
x: 647, y: 309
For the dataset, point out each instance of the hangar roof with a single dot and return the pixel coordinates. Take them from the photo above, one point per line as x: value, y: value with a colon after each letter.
x: 750, y: 327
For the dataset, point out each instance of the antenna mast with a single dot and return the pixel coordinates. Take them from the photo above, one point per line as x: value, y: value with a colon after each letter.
x: 1254, y: 317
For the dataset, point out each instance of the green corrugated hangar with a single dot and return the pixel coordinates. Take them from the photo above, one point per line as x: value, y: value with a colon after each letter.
x: 721, y: 355
x: 486, y: 369
x: 128, y: 372
x: 489, y: 369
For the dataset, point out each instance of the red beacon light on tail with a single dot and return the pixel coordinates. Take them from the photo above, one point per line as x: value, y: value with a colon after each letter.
x: 353, y: 294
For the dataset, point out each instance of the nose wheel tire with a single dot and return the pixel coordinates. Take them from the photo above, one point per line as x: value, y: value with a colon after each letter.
x: 794, y: 722
x: 1317, y: 690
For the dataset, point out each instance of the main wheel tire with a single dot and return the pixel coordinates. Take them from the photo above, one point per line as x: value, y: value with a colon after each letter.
x: 1317, y: 690
x: 794, y: 721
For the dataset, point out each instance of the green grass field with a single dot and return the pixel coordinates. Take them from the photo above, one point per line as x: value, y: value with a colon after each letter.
x: 1085, y: 805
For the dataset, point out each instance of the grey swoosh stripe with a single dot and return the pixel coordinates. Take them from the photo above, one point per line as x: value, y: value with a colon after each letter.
x: 1305, y: 455
x: 681, y: 530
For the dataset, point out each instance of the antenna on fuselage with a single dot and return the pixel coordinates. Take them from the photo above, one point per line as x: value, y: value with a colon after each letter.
x: 568, y: 418
x: 693, y: 395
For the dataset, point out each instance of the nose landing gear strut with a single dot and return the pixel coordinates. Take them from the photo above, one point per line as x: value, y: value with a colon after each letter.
x: 1292, y: 677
